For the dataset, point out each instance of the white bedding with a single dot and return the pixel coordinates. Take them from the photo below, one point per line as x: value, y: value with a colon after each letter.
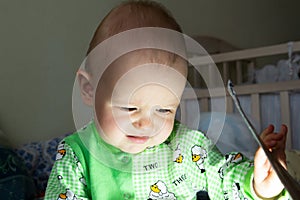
x: 235, y: 136
x: 270, y: 109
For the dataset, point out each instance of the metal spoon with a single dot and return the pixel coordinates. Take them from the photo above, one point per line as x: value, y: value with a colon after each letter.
x: 291, y: 185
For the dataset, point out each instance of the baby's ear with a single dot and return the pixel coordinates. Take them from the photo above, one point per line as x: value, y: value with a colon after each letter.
x: 86, y: 87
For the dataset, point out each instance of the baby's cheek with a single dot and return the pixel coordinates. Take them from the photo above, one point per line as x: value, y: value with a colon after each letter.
x: 107, y: 122
x: 168, y: 127
x: 163, y: 134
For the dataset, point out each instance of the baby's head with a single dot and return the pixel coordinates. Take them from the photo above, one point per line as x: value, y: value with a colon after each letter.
x: 136, y: 97
x: 133, y: 14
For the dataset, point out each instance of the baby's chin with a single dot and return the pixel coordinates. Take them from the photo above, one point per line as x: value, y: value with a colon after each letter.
x: 133, y: 150
x: 136, y: 148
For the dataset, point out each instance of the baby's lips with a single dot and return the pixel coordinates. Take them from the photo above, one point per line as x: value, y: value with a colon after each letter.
x: 138, y: 139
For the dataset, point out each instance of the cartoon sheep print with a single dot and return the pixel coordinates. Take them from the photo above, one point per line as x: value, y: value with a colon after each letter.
x: 61, y: 152
x: 60, y: 155
x: 159, y: 191
x: 177, y: 157
x: 230, y: 158
x: 237, y: 194
x: 69, y: 195
x: 199, y: 154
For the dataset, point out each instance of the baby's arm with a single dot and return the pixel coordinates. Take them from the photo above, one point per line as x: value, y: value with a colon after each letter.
x: 266, y: 182
x: 66, y: 180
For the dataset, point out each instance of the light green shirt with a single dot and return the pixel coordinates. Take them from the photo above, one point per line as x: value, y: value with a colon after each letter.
x: 88, y: 168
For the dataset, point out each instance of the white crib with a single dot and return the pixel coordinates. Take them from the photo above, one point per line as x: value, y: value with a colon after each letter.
x: 265, y: 103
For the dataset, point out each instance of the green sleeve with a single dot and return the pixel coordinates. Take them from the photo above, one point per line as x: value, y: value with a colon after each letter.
x: 248, y: 188
x: 227, y: 175
x: 66, y: 179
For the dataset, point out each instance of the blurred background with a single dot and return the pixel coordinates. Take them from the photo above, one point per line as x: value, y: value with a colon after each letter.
x: 42, y: 44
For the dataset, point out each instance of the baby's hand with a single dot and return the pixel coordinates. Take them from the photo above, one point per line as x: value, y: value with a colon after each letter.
x: 266, y: 182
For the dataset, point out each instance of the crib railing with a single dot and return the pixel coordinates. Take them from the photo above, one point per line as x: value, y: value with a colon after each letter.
x: 234, y: 65
x: 254, y: 91
x: 241, y: 62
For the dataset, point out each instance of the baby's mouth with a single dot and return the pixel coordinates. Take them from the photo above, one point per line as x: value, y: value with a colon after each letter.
x: 138, y: 139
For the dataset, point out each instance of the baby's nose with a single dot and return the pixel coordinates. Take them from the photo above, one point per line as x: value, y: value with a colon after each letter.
x: 143, y: 123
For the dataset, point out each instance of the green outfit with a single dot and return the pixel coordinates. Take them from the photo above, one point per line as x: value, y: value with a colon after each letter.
x: 88, y: 168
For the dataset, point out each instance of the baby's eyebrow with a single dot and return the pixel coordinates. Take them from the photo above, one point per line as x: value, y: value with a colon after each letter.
x: 171, y: 105
x: 119, y: 100
x: 120, y: 104
x: 128, y: 104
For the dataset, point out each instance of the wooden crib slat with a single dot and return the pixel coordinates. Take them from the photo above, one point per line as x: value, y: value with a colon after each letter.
x: 204, y: 105
x: 195, y: 77
x: 238, y: 67
x: 255, y: 107
x: 225, y: 72
x: 229, y: 104
x: 285, y: 115
x: 211, y: 76
x: 250, y: 71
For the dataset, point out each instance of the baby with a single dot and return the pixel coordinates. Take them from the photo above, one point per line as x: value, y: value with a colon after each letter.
x: 133, y: 148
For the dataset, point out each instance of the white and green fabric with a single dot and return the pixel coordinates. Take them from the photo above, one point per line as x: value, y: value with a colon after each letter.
x: 183, y: 167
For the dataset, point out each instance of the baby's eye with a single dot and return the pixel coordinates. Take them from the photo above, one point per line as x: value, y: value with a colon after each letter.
x: 164, y: 111
x: 128, y: 109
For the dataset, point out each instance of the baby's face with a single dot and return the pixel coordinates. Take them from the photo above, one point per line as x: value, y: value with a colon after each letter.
x: 135, y: 107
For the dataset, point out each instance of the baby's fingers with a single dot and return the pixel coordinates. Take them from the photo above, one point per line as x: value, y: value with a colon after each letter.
x: 274, y: 140
x: 267, y: 132
x: 280, y: 138
x: 283, y: 132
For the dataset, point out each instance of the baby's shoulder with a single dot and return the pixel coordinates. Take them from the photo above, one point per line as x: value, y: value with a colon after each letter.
x: 187, y: 137
x: 183, y: 131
